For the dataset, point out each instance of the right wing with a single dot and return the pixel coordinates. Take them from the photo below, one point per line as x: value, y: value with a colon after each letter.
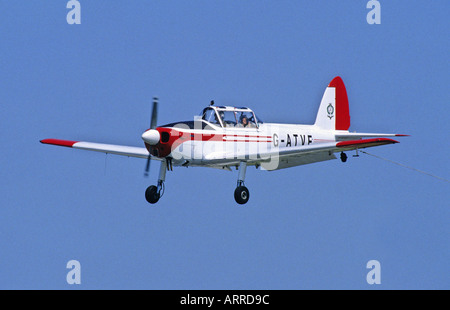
x: 131, y: 151
x: 318, y: 152
x: 295, y: 156
x: 362, y: 143
x: 344, y: 136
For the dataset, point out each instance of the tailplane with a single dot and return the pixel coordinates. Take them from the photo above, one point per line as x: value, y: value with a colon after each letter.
x: 334, y: 112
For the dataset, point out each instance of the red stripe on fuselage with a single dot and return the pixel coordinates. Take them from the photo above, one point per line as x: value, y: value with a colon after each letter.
x: 177, y: 137
x: 228, y: 140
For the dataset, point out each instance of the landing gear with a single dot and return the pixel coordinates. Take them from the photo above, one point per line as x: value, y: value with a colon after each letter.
x: 343, y: 157
x: 153, y: 193
x: 241, y: 193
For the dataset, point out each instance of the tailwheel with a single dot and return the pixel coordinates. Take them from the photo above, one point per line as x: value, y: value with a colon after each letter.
x: 151, y: 194
x: 241, y: 195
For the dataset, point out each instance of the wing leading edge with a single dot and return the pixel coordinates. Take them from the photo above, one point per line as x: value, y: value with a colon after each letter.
x: 131, y: 151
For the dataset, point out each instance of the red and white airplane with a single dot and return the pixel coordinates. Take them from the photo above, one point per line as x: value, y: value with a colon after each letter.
x: 224, y: 137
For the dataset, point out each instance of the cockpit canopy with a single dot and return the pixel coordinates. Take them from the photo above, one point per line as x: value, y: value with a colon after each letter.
x: 230, y: 117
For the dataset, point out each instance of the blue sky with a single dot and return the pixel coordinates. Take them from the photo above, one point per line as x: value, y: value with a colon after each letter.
x: 308, y: 227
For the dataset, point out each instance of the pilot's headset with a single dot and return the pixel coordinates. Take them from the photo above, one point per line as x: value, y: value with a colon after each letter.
x: 242, y: 118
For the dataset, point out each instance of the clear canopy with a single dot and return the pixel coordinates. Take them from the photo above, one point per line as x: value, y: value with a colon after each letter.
x: 231, y: 117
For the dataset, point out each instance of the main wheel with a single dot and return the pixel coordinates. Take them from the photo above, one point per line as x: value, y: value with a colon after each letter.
x: 343, y: 157
x: 151, y: 194
x: 241, y: 195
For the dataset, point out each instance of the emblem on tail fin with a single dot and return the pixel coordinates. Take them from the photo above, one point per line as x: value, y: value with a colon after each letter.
x: 330, y: 111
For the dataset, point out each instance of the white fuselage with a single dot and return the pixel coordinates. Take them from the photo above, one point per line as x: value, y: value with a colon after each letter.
x: 230, y: 145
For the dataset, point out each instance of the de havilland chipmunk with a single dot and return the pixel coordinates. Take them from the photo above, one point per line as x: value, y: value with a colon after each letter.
x: 224, y: 137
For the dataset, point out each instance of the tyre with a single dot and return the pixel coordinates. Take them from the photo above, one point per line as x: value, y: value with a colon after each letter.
x: 151, y: 194
x: 241, y: 195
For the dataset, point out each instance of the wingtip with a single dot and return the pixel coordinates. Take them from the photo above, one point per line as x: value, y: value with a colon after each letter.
x: 66, y: 143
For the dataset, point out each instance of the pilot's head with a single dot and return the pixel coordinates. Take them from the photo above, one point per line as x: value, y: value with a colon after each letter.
x: 245, y: 121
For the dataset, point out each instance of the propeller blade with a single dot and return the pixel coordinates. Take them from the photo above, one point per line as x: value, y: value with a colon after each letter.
x: 153, y: 123
x: 147, y: 166
x: 154, y: 116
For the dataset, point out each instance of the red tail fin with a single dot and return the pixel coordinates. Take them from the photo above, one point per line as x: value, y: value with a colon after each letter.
x: 334, y: 112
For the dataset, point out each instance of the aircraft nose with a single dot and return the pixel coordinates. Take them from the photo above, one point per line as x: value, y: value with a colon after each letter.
x: 151, y: 136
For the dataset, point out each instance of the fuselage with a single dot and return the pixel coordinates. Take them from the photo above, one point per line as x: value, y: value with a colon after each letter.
x: 200, y: 143
x: 224, y: 136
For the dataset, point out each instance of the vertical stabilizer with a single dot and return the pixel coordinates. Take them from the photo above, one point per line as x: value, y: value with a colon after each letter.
x: 334, y: 112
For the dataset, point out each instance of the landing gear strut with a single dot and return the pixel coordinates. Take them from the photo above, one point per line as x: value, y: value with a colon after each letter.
x: 153, y: 193
x: 241, y: 193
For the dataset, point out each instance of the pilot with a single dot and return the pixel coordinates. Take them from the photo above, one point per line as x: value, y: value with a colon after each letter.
x: 245, y: 122
x: 217, y: 120
x: 224, y: 122
x: 227, y: 122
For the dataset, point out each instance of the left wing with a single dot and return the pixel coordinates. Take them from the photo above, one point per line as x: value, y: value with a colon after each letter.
x: 131, y: 151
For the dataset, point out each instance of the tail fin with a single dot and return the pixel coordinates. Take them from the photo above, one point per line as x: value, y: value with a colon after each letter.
x: 334, y: 111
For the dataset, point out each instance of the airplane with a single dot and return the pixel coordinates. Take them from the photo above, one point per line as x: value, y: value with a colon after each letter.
x: 223, y: 137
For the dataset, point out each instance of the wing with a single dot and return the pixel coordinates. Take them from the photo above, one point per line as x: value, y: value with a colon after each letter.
x: 131, y: 151
x: 362, y: 143
x: 317, y: 152
x: 344, y: 136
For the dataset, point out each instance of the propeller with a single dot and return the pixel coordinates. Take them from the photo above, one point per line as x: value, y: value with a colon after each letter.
x: 151, y: 136
x: 154, y: 117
